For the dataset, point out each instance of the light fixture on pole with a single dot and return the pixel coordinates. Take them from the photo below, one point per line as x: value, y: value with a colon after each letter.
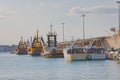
x: 63, y: 31
x: 83, y: 27
x: 119, y: 15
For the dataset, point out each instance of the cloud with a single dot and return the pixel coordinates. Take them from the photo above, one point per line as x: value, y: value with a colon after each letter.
x: 6, y: 13
x: 92, y: 10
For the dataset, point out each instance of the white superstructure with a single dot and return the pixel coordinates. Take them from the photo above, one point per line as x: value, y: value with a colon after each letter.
x: 74, y: 53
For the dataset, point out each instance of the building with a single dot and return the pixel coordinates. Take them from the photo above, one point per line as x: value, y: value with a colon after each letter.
x: 7, y: 48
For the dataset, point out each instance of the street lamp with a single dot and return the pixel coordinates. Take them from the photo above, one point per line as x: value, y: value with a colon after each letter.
x: 63, y: 31
x: 83, y: 27
x: 119, y: 15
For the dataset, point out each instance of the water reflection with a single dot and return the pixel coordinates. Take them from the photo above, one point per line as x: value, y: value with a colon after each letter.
x: 14, y: 67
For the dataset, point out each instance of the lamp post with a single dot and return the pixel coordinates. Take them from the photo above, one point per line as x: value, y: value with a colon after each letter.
x: 119, y: 15
x: 63, y: 31
x: 83, y: 27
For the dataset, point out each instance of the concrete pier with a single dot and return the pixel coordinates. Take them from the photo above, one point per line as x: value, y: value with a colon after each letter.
x: 107, y: 42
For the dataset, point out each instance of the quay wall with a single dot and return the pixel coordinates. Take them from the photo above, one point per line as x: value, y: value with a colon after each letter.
x: 107, y: 42
x: 111, y: 41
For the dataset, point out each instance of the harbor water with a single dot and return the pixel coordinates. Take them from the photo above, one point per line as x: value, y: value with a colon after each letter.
x: 26, y: 67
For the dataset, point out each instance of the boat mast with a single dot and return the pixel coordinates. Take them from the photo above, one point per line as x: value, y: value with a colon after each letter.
x: 51, y: 28
x: 37, y: 36
x: 21, y: 38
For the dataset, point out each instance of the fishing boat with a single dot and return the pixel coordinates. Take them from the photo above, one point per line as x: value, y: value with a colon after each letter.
x: 73, y: 53
x: 118, y: 62
x: 22, y: 48
x: 96, y: 51
x: 52, y: 50
x: 96, y: 54
x: 53, y: 53
x: 37, y: 46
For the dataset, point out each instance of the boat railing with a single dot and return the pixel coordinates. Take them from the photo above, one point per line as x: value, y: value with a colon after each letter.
x: 95, y: 50
x: 76, y: 50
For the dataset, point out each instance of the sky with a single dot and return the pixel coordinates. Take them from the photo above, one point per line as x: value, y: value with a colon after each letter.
x: 23, y: 18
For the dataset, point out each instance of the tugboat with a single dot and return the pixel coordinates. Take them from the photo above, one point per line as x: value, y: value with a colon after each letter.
x: 52, y: 51
x: 37, y: 46
x: 22, y: 48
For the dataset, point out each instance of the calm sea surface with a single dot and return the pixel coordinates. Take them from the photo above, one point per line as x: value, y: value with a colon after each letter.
x: 26, y: 67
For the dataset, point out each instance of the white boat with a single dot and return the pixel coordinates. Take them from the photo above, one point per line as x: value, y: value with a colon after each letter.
x: 74, y: 53
x: 96, y: 51
x: 96, y: 54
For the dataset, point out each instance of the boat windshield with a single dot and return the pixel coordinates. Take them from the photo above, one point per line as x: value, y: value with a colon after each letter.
x: 95, y: 50
x: 76, y: 50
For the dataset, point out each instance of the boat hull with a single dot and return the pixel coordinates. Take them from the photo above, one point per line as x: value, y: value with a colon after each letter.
x: 75, y: 56
x: 98, y: 56
x: 22, y: 52
x: 52, y: 56
x: 52, y: 53
x: 36, y: 53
